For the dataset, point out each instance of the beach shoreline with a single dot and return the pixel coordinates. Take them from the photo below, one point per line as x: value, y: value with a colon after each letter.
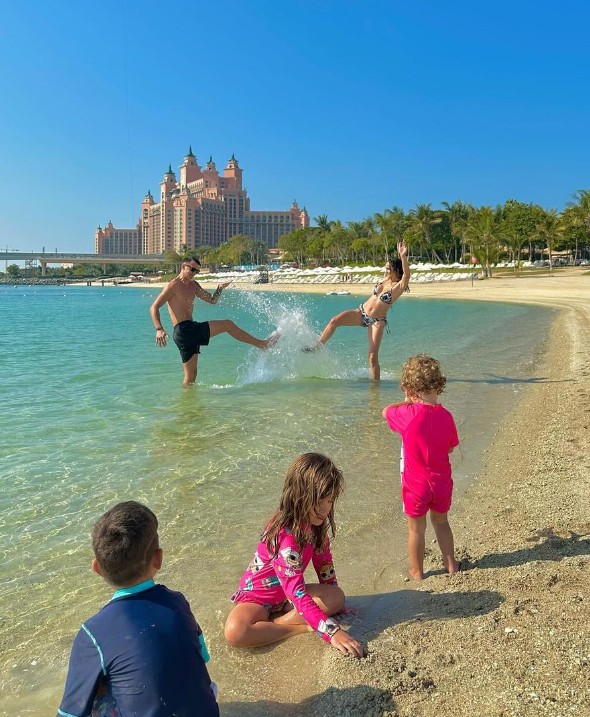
x: 508, y: 635
x: 525, y: 289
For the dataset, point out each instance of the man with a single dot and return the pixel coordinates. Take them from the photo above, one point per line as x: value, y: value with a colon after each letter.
x: 190, y: 335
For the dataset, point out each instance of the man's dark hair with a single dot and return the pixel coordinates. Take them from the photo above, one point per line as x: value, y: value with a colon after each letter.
x: 124, y: 540
x: 192, y: 258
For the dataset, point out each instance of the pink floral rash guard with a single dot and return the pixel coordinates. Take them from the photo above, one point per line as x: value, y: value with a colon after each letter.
x: 272, y: 579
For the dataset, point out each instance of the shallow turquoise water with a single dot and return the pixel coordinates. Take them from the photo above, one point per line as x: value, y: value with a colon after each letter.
x: 92, y: 413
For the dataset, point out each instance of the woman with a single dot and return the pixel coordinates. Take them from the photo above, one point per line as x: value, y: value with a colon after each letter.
x: 373, y: 313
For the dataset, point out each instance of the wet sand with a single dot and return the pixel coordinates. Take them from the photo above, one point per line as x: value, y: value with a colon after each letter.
x: 509, y: 635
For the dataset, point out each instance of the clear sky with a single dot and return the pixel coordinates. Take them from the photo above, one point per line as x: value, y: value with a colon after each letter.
x: 348, y: 107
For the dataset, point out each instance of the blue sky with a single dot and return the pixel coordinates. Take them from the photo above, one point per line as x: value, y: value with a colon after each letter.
x: 349, y: 107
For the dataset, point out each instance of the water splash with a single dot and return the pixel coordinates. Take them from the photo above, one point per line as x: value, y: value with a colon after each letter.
x: 287, y: 359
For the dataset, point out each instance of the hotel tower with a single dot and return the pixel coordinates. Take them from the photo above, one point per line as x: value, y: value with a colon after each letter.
x: 201, y: 208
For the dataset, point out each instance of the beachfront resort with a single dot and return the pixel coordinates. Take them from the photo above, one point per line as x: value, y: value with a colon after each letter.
x: 201, y: 207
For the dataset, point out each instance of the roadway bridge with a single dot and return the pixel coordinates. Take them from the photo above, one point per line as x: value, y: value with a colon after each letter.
x: 45, y: 258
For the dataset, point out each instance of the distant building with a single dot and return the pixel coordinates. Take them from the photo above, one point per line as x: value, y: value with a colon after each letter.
x: 201, y: 209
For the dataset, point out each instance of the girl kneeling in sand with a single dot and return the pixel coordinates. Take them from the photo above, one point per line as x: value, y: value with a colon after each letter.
x: 273, y: 601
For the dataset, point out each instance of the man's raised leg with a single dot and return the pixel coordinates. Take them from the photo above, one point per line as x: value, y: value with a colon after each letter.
x: 225, y: 326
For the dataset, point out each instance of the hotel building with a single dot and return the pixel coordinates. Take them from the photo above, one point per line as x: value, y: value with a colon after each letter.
x: 201, y: 209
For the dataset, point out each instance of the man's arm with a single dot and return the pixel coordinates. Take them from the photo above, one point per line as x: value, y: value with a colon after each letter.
x: 162, y: 299
x: 206, y: 296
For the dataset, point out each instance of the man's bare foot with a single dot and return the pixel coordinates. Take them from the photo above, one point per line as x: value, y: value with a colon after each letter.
x: 272, y: 340
x: 416, y: 574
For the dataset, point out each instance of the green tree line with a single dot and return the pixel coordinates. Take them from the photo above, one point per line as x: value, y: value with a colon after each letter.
x: 452, y: 233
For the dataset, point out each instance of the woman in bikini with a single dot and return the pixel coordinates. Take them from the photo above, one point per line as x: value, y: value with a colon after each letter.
x: 373, y: 312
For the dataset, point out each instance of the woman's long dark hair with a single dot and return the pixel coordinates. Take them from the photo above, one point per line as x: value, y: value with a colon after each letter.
x: 310, y: 478
x: 397, y: 267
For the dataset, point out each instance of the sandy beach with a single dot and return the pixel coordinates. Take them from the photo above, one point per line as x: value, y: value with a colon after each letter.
x: 509, y: 635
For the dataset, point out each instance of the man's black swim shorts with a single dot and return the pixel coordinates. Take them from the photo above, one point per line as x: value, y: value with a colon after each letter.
x: 189, y: 336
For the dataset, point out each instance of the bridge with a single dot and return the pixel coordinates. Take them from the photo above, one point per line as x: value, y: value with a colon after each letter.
x: 56, y: 257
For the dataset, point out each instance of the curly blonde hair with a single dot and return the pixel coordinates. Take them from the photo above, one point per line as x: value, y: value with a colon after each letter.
x: 422, y: 374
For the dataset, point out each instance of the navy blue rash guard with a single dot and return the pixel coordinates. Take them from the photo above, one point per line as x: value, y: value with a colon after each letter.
x: 146, y: 647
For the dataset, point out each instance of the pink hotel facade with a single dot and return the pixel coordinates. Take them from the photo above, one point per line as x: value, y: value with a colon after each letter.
x: 202, y: 208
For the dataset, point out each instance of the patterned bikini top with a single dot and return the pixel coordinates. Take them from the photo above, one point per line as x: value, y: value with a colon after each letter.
x: 385, y: 296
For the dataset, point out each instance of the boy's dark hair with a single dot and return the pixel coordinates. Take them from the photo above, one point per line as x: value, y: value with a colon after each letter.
x: 124, y: 541
x: 192, y: 258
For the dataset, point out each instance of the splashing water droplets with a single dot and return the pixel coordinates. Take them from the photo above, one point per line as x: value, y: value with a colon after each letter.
x: 287, y: 359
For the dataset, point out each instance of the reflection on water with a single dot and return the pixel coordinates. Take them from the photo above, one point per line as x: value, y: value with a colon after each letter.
x: 98, y: 415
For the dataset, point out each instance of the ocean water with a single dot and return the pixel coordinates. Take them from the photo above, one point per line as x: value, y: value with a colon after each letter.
x: 93, y: 413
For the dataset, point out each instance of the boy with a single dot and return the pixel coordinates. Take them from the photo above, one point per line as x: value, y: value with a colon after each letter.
x: 143, y: 653
x: 428, y: 434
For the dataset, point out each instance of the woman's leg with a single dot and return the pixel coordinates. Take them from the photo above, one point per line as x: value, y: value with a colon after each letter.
x: 375, y: 336
x: 446, y: 543
x: 416, y: 545
x: 352, y: 317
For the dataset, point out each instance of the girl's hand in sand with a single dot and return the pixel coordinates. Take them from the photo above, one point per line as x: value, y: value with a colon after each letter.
x: 347, y: 645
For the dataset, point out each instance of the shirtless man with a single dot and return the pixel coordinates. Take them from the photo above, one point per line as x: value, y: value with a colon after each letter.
x: 190, y: 335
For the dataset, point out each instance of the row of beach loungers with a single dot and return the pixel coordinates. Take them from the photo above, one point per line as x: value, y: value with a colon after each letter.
x: 342, y: 280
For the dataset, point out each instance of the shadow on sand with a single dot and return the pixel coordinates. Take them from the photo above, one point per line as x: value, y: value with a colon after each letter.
x: 362, y: 700
x: 554, y: 547
x: 368, y: 616
x: 492, y: 379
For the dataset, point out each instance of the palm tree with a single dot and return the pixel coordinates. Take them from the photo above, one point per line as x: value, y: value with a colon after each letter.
x: 358, y: 239
x: 483, y: 232
x: 323, y: 222
x: 323, y: 228
x: 337, y: 241
x: 580, y: 213
x: 549, y: 230
x: 457, y: 214
x: 382, y: 220
x: 422, y: 219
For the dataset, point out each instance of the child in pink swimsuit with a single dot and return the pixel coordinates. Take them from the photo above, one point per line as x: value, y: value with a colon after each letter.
x: 428, y: 434
x: 273, y: 601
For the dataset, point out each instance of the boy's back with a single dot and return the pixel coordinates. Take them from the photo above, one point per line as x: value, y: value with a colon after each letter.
x: 145, y: 647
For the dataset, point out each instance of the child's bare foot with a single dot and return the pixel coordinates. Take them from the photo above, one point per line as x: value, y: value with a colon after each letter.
x: 272, y: 340
x: 416, y: 574
x: 453, y: 567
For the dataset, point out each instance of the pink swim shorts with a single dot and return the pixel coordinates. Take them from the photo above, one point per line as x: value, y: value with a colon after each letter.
x: 418, y: 500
